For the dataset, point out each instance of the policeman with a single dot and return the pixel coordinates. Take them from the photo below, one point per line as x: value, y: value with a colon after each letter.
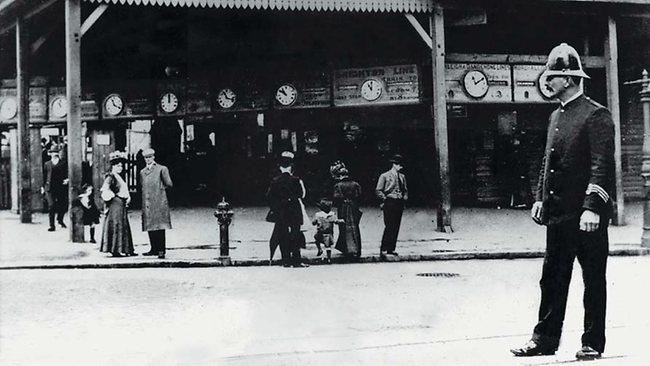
x: 573, y: 201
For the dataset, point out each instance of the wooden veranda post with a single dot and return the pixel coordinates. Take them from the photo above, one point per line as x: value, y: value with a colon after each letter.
x: 22, y: 91
x: 439, y: 106
x: 611, y: 68
x: 73, y: 95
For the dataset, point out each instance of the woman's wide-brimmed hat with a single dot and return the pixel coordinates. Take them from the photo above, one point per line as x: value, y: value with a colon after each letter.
x: 117, y: 157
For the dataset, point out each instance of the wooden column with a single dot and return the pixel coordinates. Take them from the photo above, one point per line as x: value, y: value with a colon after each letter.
x: 22, y: 98
x: 73, y: 95
x: 613, y: 103
x: 36, y: 168
x: 14, y: 162
x: 439, y: 106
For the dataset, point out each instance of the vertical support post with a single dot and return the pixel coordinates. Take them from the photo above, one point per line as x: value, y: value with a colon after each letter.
x: 645, y: 167
x: 36, y: 168
x: 73, y: 95
x: 14, y: 162
x: 613, y: 103
x: 100, y: 160
x: 439, y: 106
x: 22, y: 94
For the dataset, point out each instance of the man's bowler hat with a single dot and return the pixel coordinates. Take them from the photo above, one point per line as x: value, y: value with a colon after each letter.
x: 397, y: 159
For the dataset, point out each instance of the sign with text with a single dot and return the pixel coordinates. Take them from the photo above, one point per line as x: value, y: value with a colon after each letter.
x: 198, y: 98
x: 58, y: 104
x: 37, y: 104
x: 478, y: 83
x: 377, y: 86
x: 527, y: 84
x: 89, y: 106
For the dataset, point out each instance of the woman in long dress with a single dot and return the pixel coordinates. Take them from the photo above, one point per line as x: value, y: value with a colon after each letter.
x: 346, y: 195
x: 116, y: 233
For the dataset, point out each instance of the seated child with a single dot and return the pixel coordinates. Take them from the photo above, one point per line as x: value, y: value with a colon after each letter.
x: 90, y: 213
x: 324, y: 221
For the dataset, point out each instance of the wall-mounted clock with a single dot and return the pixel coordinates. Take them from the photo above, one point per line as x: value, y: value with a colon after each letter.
x: 59, y: 107
x: 475, y: 83
x: 8, y: 108
x: 226, y: 98
x: 113, y: 105
x: 371, y: 89
x: 169, y: 102
x: 286, y: 94
x: 541, y: 84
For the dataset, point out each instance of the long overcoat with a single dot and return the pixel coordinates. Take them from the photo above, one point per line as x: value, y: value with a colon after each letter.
x: 155, y: 207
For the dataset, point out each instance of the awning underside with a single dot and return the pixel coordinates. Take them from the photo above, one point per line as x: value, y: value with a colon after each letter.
x: 402, y: 6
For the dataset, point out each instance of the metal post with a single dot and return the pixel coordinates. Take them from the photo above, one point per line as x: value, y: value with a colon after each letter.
x: 224, y: 216
x: 645, y: 167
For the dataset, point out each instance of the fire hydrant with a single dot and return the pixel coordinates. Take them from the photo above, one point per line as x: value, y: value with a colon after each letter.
x: 224, y: 216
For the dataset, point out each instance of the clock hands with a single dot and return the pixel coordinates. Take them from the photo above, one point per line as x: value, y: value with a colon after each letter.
x: 477, y: 81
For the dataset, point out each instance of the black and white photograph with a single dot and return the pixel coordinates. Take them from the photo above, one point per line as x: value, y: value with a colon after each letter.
x: 324, y: 182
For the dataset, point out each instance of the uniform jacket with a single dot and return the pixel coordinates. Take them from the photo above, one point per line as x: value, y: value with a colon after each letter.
x: 388, y: 185
x: 283, y: 194
x: 577, y: 171
x: 155, y: 207
x: 54, y: 176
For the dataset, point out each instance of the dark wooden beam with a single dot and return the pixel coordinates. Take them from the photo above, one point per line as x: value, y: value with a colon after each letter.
x: 73, y: 95
x: 22, y: 98
x: 439, y: 106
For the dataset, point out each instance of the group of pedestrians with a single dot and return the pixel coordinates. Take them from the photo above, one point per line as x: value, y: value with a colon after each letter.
x: 286, y: 209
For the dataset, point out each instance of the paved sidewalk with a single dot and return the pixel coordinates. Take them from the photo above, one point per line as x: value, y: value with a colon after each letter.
x: 478, y: 233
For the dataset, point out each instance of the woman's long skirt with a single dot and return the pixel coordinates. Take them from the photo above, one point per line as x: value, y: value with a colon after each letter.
x: 116, y: 235
x: 349, y: 240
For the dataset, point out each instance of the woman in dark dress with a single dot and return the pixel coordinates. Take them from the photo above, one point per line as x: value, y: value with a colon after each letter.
x: 346, y: 195
x: 116, y: 233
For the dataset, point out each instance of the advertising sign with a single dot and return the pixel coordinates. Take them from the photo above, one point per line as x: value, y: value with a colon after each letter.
x: 387, y: 85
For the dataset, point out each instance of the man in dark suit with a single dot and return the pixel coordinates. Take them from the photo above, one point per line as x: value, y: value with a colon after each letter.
x: 392, y: 191
x: 56, y: 188
x: 283, y: 194
x: 573, y: 200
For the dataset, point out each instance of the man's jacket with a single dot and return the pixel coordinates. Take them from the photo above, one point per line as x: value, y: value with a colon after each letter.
x: 577, y: 172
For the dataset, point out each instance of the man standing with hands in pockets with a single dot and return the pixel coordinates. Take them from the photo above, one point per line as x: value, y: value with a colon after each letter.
x: 392, y: 191
x: 155, y: 207
x: 573, y: 202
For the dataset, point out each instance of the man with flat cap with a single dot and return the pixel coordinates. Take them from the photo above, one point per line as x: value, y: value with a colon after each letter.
x: 155, y: 207
x: 573, y: 201
x: 392, y: 191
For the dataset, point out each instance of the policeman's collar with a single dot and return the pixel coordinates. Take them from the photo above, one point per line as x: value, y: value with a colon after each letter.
x: 573, y: 97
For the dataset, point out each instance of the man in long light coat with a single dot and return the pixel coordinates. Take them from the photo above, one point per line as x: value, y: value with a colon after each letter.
x: 155, y: 207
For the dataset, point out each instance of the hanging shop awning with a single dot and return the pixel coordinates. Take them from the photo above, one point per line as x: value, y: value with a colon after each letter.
x: 410, y: 6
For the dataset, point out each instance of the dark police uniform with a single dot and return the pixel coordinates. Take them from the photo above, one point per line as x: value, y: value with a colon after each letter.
x: 577, y: 174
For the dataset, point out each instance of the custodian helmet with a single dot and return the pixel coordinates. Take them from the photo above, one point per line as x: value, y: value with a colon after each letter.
x: 564, y: 61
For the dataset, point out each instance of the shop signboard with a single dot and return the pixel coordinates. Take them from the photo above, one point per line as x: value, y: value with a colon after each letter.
x: 198, y: 98
x: 303, y: 94
x: 171, y: 99
x: 387, y: 85
x: 478, y: 83
x: 528, y: 86
x: 58, y: 104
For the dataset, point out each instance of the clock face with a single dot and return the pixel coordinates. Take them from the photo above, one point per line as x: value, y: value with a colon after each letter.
x: 476, y: 84
x: 113, y: 104
x: 286, y: 94
x: 541, y: 84
x: 8, y: 108
x: 59, y: 107
x: 371, y: 89
x: 226, y: 98
x: 169, y: 102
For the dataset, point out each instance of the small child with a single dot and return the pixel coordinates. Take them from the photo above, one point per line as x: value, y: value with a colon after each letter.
x: 90, y: 213
x: 324, y: 221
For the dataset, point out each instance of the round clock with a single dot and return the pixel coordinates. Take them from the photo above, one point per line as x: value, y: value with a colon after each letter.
x: 113, y: 105
x: 169, y: 102
x: 226, y: 98
x: 59, y: 107
x: 371, y: 89
x: 8, y: 108
x: 475, y: 83
x: 541, y: 85
x: 286, y: 94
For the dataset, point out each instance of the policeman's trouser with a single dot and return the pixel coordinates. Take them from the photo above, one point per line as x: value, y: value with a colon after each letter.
x: 564, y: 242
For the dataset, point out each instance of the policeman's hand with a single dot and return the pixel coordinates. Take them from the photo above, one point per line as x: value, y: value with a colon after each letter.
x: 536, y: 212
x: 589, y: 221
